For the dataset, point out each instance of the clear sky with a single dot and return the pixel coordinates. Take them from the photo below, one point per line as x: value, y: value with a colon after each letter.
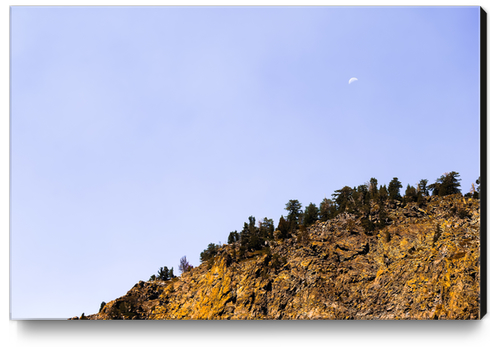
x: 140, y: 135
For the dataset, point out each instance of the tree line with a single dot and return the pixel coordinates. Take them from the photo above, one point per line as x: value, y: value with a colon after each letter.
x: 254, y: 235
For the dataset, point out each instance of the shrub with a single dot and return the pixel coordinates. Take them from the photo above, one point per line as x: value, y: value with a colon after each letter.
x: 163, y: 274
x: 184, y: 265
x: 209, y: 252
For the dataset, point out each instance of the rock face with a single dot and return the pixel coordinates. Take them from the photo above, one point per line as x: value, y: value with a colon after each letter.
x: 423, y: 265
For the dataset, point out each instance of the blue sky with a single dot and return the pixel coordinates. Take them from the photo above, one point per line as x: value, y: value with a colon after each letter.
x: 139, y: 135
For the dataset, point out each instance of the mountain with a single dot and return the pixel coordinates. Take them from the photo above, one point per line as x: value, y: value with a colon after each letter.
x: 424, y: 264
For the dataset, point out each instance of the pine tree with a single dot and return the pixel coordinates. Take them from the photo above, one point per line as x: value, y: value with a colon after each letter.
x: 327, y: 210
x: 410, y: 194
x: 447, y: 184
x: 373, y: 188
x: 383, y: 193
x: 310, y: 214
x: 394, y: 189
x: 283, y: 228
x: 254, y: 241
x: 422, y: 187
x: 343, y: 198
x: 294, y: 208
x: 266, y: 229
x: 244, y: 238
x: 363, y: 195
x: 452, y: 184
x: 231, y: 238
x: 209, y: 252
x: 476, y: 194
x: 163, y: 274
x: 420, y: 199
x: 160, y: 274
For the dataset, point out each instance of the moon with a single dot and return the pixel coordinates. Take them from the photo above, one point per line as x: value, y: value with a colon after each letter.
x: 352, y: 80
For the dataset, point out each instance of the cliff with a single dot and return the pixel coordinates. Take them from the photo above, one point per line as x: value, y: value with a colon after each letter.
x: 423, y: 265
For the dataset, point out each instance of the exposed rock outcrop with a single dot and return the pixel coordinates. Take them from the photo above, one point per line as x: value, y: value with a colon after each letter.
x: 423, y: 265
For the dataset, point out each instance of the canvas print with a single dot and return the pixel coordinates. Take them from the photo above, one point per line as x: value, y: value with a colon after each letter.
x: 247, y: 163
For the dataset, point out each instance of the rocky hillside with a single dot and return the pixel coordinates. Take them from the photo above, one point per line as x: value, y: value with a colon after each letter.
x: 423, y: 265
